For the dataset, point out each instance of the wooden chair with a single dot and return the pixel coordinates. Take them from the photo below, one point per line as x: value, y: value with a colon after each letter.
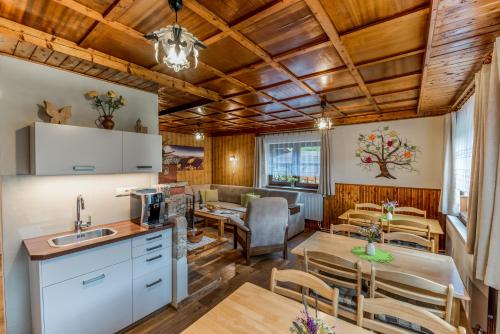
x: 410, y: 226
x: 361, y: 219
x: 344, y: 229
x: 339, y: 273
x: 394, y: 309
x: 410, y: 210
x: 308, y: 283
x: 413, y: 290
x: 408, y: 240
x: 368, y: 206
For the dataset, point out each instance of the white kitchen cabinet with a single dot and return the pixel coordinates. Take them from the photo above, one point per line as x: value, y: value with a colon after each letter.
x: 141, y: 152
x: 71, y: 150
x: 102, y: 289
x: 99, y: 302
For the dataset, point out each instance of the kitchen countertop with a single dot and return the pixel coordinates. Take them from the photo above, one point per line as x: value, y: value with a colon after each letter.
x: 39, y: 249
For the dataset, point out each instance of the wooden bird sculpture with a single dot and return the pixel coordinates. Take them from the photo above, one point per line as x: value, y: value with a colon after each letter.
x: 57, y: 116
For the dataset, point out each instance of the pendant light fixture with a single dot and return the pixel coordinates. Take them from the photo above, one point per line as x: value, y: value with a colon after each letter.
x: 174, y: 44
x: 323, y: 122
x: 198, y: 134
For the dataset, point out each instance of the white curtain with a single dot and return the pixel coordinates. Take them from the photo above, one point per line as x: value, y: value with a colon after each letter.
x: 449, y: 200
x: 326, y: 182
x: 259, y: 174
x: 483, y: 223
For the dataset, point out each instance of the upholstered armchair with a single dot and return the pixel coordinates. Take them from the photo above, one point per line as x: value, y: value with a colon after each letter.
x: 264, y: 229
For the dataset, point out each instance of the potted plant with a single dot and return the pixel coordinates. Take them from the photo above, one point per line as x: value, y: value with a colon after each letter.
x: 106, y: 105
x: 371, y: 232
x: 389, y: 207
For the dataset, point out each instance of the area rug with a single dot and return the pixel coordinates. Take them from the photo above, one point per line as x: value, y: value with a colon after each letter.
x: 203, y: 242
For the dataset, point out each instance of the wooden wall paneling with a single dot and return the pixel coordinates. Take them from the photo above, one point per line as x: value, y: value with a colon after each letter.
x: 241, y: 172
x: 196, y: 176
x: 346, y: 195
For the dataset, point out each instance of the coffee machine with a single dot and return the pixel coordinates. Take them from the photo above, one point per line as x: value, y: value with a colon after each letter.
x: 148, y: 207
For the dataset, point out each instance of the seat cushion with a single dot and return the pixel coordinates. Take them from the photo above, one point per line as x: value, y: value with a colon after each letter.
x: 402, y: 324
x: 231, y: 194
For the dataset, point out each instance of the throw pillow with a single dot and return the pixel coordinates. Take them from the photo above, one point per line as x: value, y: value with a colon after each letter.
x: 209, y: 195
x: 250, y: 197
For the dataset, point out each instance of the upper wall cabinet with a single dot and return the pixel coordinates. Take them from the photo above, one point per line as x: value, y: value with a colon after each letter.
x: 72, y: 150
x: 141, y: 152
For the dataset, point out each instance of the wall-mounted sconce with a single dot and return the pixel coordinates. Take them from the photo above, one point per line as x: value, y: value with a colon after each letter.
x: 232, y: 161
x: 232, y: 158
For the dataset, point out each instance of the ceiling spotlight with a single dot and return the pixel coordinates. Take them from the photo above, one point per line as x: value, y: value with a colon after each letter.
x: 174, y: 44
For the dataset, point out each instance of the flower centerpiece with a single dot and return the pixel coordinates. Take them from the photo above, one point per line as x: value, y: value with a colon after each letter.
x: 389, y: 206
x: 106, y: 105
x: 371, y: 232
x: 306, y: 324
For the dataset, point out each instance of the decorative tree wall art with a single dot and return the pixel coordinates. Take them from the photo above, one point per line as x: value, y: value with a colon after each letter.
x: 386, y: 149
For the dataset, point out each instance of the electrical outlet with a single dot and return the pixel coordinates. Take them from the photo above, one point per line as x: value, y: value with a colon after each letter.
x: 124, y: 191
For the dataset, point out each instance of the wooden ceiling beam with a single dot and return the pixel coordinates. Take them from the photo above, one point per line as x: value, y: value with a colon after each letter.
x: 220, y: 24
x: 428, y: 49
x: 324, y: 20
x: 390, y: 58
x: 45, y: 40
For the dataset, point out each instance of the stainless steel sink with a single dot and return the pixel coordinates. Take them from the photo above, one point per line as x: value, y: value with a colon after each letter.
x: 74, y: 238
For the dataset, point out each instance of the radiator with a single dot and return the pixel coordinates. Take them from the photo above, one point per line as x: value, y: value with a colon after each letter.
x: 313, y: 206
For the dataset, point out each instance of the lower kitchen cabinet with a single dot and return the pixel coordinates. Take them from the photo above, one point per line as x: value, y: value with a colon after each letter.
x: 152, y: 291
x: 103, y: 289
x: 99, y: 302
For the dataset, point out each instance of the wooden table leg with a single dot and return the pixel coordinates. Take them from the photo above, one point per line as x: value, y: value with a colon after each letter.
x: 436, y: 242
x: 455, y: 312
x: 221, y: 228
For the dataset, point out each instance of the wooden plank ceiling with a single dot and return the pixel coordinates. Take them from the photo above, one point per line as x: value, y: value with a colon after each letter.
x: 268, y: 62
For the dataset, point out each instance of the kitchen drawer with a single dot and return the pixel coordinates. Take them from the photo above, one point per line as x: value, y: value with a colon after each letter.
x: 99, y: 302
x: 152, y: 291
x: 152, y: 237
x: 68, y: 266
x: 151, y: 262
x: 150, y: 247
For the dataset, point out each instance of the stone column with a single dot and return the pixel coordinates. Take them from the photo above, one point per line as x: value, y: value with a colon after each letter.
x: 179, y: 260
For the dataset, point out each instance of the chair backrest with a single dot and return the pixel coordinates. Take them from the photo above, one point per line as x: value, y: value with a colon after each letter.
x: 337, y: 272
x: 409, y: 238
x: 399, y: 310
x: 410, y: 210
x: 410, y: 226
x: 361, y: 219
x: 308, y: 283
x: 368, y: 206
x: 344, y: 229
x: 267, y: 218
x: 414, y: 290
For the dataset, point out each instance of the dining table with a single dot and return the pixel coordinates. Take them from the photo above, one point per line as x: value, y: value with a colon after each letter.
x: 435, y: 227
x: 252, y: 309
x: 435, y: 267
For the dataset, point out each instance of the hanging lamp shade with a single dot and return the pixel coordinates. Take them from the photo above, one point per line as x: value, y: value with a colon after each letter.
x: 174, y: 44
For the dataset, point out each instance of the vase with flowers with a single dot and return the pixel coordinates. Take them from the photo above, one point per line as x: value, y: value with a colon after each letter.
x: 305, y: 323
x: 389, y: 207
x: 371, y: 233
x: 106, y: 105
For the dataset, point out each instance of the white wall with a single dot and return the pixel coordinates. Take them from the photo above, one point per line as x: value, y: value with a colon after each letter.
x: 33, y: 206
x: 426, y: 133
x: 24, y: 86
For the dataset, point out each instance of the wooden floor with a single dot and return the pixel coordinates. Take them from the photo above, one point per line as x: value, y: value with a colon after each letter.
x: 211, y: 279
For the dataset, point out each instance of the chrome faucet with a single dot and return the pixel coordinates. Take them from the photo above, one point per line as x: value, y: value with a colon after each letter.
x: 79, y: 224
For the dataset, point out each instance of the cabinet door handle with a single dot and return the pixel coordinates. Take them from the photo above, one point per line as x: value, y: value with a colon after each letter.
x: 154, y: 283
x: 153, y: 238
x: 84, y: 168
x: 144, y: 167
x: 154, y: 258
x: 153, y: 248
x: 95, y: 279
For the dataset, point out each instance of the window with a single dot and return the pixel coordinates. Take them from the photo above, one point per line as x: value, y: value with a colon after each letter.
x: 462, y: 147
x: 294, y: 164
